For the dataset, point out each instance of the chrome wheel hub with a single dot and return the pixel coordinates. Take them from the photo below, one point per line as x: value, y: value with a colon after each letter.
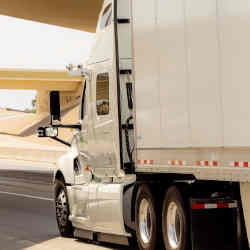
x: 62, y: 208
x: 174, y: 225
x: 145, y: 221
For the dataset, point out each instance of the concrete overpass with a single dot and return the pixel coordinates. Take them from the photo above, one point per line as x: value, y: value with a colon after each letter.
x: 75, y: 14
x: 38, y: 79
x: 44, y: 81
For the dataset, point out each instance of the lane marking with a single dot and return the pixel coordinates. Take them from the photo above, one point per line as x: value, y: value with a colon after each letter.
x: 27, y: 196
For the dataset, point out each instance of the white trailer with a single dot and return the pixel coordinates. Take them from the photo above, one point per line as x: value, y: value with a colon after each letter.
x: 162, y: 150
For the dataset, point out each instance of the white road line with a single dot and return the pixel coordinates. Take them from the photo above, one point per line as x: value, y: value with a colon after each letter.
x: 27, y: 196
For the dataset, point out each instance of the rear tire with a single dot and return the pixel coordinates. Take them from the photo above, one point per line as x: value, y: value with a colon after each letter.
x: 146, y: 221
x: 175, y: 221
x: 62, y: 210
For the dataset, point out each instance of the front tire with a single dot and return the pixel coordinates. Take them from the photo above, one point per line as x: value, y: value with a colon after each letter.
x: 62, y: 210
x: 175, y: 221
x: 146, y: 221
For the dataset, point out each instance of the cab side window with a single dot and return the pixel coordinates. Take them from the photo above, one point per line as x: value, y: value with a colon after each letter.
x: 106, y: 17
x: 102, y: 94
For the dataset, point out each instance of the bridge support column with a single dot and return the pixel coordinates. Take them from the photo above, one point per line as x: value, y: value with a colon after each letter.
x: 42, y: 101
x: 68, y: 99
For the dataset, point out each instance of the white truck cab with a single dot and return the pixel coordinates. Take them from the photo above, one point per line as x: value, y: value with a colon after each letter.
x: 89, y: 178
x: 161, y: 153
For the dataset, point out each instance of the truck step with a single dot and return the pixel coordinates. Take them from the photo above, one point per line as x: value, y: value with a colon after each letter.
x: 101, y: 237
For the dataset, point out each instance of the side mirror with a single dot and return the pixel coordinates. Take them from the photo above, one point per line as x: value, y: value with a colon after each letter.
x: 55, y: 110
x: 47, y: 132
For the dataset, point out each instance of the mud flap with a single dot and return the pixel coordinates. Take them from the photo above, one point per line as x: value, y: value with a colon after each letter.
x: 214, y: 224
x: 245, y: 194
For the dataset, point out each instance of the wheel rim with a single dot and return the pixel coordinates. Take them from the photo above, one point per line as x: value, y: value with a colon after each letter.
x: 62, y: 208
x: 174, y: 225
x: 145, y: 221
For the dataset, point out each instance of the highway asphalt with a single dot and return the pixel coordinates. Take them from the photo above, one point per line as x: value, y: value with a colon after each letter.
x: 27, y: 217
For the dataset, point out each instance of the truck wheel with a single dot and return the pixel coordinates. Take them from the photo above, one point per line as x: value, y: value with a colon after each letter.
x: 174, y: 221
x: 62, y: 210
x: 145, y: 217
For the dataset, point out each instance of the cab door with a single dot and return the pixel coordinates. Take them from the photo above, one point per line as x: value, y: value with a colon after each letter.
x: 104, y: 141
x: 102, y: 161
x: 104, y: 137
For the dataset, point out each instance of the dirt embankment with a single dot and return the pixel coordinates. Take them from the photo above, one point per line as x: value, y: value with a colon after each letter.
x: 18, y: 136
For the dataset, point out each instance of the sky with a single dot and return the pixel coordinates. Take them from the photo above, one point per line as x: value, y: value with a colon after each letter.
x: 32, y: 45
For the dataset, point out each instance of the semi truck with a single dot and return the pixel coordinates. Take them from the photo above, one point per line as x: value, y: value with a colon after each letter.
x: 161, y: 154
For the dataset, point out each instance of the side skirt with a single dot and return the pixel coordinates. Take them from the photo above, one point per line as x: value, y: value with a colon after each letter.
x: 101, y: 237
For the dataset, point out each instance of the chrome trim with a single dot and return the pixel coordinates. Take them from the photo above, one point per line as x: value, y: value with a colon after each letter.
x: 174, y: 225
x: 145, y: 221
